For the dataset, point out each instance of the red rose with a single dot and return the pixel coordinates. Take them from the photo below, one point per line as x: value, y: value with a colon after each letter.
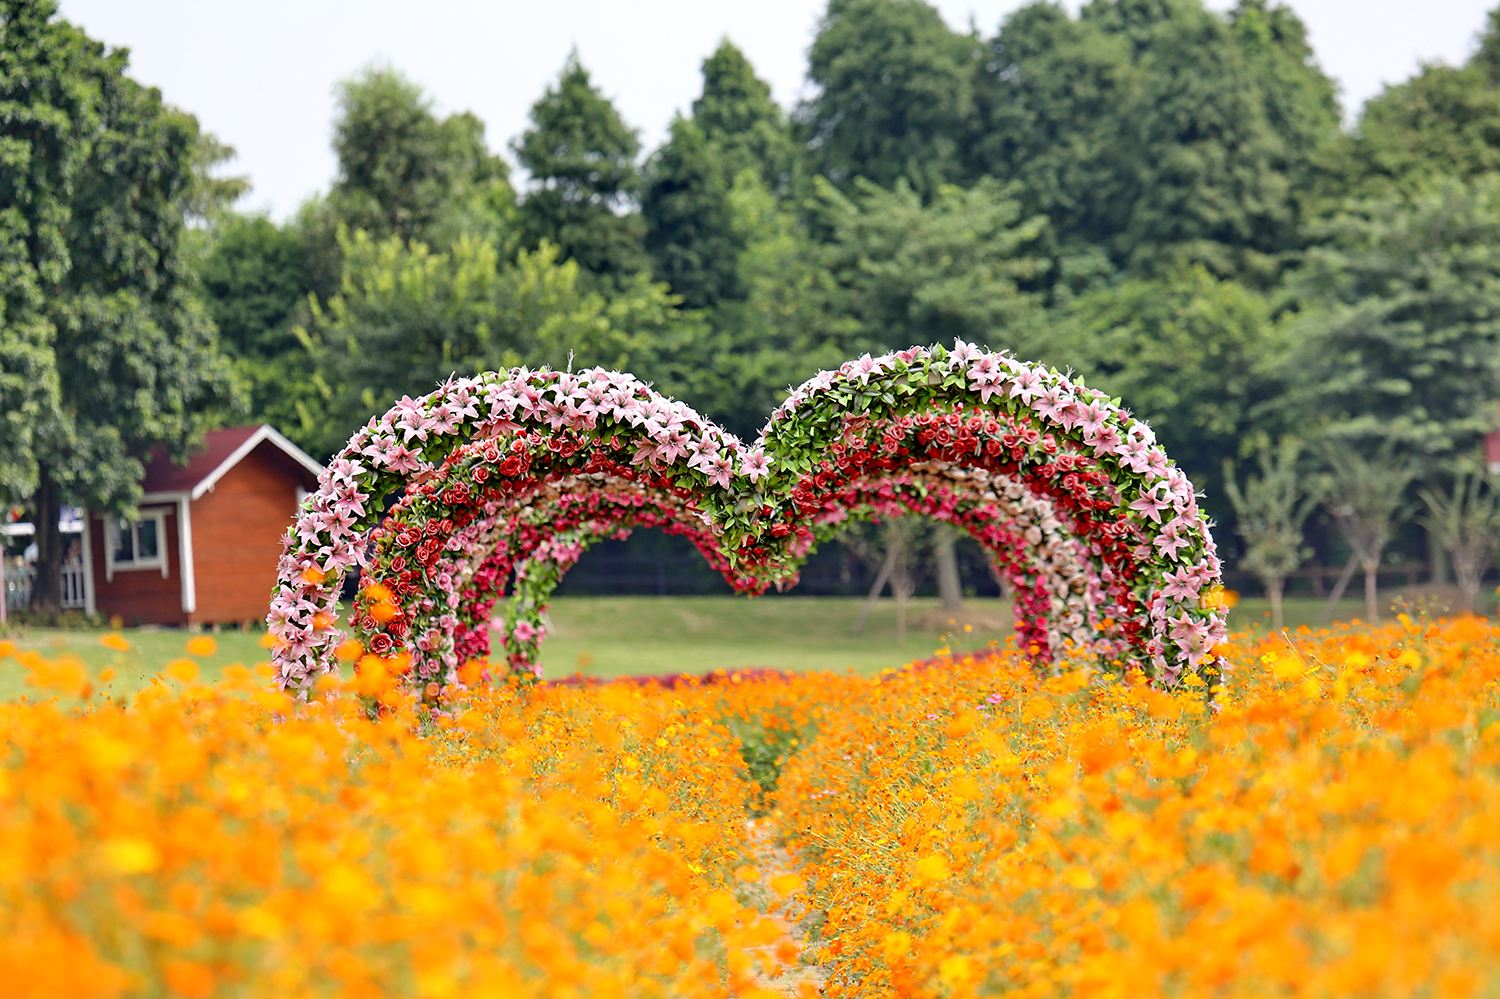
x: 381, y: 644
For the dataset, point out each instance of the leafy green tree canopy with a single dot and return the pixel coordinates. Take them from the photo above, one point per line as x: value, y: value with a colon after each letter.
x: 584, y: 180
x: 1399, y: 337
x: 894, y: 93
x: 406, y: 172
x: 102, y: 316
x: 736, y: 113
x: 689, y: 229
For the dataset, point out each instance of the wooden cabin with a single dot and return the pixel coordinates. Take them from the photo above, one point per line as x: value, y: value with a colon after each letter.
x: 204, y: 547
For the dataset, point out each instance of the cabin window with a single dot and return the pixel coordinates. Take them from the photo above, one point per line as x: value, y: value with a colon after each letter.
x: 138, y: 544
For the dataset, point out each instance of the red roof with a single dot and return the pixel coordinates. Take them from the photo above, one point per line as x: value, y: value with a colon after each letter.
x: 221, y: 450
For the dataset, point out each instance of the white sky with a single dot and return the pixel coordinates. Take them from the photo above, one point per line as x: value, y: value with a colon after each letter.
x: 261, y: 75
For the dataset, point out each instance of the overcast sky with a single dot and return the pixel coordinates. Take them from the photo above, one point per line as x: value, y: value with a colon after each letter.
x: 261, y: 75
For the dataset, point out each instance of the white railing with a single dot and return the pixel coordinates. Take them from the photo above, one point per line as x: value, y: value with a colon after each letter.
x: 18, y: 587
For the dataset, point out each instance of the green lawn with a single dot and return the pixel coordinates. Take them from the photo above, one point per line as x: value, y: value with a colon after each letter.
x: 612, y: 636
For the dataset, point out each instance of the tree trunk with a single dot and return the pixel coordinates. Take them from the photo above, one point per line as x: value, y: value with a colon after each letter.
x: 1372, y: 594
x: 1274, y: 589
x: 1469, y: 595
x: 945, y: 557
x: 902, y: 587
x: 46, y: 583
x: 903, y: 584
x: 881, y: 578
x: 1339, y: 587
x: 1438, y: 559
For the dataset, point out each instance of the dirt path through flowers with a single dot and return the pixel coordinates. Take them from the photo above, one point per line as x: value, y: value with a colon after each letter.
x: 801, y: 974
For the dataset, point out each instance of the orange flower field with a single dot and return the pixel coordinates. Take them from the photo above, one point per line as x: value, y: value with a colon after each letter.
x: 1329, y: 827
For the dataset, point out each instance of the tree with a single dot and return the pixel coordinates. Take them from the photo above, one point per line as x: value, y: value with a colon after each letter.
x: 103, y: 313
x: 1205, y: 172
x: 1442, y: 123
x: 1047, y: 116
x: 581, y: 158
x: 1271, y: 512
x: 1155, y: 132
x: 1193, y: 355
x: 894, y: 95
x: 1466, y: 522
x: 689, y: 229
x: 408, y: 316
x: 1399, y: 338
x: 1139, y: 22
x: 904, y: 272
x: 736, y: 114
x: 781, y: 329
x: 256, y: 280
x: 1366, y: 495
x: 1300, y: 100
x: 406, y: 172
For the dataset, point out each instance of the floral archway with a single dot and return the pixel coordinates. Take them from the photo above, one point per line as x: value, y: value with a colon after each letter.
x: 493, y: 486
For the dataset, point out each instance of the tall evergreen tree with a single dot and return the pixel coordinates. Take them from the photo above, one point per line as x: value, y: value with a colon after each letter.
x: 406, y: 172
x: 104, y: 314
x: 584, y: 180
x: 689, y: 229
x: 895, y: 91
x: 736, y: 113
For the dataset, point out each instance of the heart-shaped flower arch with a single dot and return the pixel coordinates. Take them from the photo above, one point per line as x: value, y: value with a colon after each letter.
x: 496, y: 484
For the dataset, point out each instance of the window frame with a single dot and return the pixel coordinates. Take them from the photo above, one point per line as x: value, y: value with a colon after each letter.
x: 112, y: 527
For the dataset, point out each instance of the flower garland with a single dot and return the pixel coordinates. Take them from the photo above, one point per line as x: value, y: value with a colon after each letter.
x: 491, y: 477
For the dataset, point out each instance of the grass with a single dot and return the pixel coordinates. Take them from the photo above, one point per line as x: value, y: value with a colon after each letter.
x: 615, y: 636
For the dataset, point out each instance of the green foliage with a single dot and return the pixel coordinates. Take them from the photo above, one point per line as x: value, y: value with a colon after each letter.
x: 105, y: 343
x: 1155, y: 133
x: 1365, y: 492
x: 736, y: 113
x: 408, y: 316
x: 689, y: 226
x: 255, y: 276
x: 1300, y: 100
x: 1399, y: 337
x: 1271, y: 512
x: 581, y: 158
x: 1465, y: 520
x: 766, y: 743
x: 405, y: 172
x: 1048, y: 117
x: 779, y: 331
x: 904, y: 272
x: 1206, y: 177
x: 895, y: 91
x: 1188, y: 352
x: 1443, y: 122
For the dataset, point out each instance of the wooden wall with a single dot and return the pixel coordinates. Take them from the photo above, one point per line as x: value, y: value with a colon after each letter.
x: 237, y: 530
x: 139, y: 596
